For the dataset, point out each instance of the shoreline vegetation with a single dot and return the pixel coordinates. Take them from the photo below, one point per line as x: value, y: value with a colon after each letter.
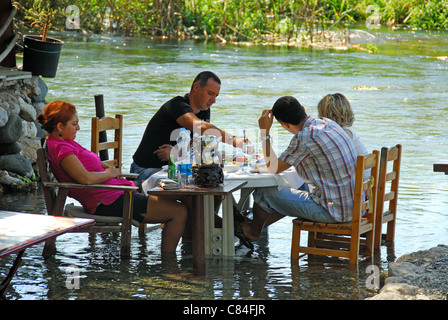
x: 301, y: 23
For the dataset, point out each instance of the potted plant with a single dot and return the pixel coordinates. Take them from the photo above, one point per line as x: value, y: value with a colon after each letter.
x: 41, y: 53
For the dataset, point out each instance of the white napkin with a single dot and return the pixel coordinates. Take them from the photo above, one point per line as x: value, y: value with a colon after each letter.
x: 288, y: 179
x: 169, y: 184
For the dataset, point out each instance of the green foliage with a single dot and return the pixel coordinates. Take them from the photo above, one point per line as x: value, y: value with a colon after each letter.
x: 421, y: 14
x: 372, y: 48
x: 235, y: 19
x: 429, y: 15
x: 39, y: 14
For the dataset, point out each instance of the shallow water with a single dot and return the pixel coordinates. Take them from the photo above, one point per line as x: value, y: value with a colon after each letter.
x: 265, y: 273
x: 399, y: 95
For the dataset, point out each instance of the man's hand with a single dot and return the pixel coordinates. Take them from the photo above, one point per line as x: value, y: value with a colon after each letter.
x: 163, y: 153
x: 244, y: 144
x: 266, y: 120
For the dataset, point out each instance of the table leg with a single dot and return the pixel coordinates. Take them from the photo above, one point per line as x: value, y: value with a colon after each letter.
x: 227, y: 226
x: 11, y: 274
x: 219, y: 241
x: 198, y: 235
x: 209, y: 224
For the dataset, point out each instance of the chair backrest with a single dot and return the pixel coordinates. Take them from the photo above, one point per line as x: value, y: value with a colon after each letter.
x: 366, y: 190
x: 105, y: 124
x: 54, y: 197
x: 46, y: 176
x: 389, y: 180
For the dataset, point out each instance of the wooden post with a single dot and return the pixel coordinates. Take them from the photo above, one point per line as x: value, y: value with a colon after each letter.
x: 99, y: 107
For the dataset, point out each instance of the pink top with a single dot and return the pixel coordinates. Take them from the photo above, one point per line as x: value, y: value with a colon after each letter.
x: 58, y: 149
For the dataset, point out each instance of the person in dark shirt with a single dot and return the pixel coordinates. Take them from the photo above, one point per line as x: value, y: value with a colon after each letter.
x: 191, y: 111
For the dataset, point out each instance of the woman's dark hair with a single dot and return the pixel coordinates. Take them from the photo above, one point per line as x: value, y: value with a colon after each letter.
x: 288, y: 109
x: 55, y: 112
x: 203, y: 77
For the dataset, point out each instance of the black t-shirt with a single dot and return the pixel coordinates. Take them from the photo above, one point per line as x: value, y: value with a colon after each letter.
x: 159, y: 129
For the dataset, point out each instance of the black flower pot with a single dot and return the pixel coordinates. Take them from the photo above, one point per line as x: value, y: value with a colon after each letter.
x: 41, y: 57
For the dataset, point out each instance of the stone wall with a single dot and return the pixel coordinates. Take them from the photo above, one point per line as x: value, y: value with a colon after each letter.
x: 20, y: 136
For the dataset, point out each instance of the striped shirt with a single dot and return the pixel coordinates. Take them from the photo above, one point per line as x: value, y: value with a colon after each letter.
x: 324, y: 156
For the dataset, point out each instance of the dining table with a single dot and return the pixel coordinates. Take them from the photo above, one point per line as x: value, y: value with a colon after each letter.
x: 207, y: 237
x: 19, y: 231
x: 254, y: 178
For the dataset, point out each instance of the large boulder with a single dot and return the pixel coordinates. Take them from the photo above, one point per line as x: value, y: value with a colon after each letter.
x: 17, y: 164
x: 12, y: 131
x: 3, y: 117
x: 27, y: 111
x: 10, y: 148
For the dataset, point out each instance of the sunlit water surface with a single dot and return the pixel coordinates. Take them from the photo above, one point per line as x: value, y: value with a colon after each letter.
x: 399, y: 95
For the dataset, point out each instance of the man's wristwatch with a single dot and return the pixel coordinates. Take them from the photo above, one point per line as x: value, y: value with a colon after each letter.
x: 230, y: 139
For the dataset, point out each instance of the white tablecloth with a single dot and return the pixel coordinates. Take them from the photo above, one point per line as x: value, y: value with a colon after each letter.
x: 289, y: 178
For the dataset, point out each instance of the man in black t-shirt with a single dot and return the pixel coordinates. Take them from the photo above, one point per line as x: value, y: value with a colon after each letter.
x: 191, y: 109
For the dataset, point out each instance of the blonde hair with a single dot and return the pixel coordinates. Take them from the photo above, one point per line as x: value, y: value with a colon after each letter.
x: 337, y: 108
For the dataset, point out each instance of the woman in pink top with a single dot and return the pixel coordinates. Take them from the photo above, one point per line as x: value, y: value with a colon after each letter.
x: 70, y: 162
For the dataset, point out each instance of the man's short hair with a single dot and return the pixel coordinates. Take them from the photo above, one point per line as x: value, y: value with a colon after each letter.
x: 289, y: 110
x: 203, y: 77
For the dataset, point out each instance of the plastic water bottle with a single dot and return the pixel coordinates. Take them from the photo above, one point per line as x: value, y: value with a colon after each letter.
x: 184, y: 156
x: 183, y: 143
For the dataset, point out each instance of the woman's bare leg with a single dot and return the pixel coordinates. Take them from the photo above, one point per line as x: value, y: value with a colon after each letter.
x: 173, y: 214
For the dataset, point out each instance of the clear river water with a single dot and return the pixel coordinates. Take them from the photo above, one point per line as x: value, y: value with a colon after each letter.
x: 399, y: 95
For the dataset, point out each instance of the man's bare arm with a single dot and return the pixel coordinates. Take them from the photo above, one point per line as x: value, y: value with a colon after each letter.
x: 193, y: 123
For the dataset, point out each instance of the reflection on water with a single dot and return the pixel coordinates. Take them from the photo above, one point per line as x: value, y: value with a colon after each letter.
x: 399, y: 96
x: 265, y: 273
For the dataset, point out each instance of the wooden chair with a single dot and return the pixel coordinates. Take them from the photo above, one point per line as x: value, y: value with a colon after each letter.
x: 55, y: 194
x: 104, y: 125
x: 105, y: 148
x: 327, y: 238
x: 102, y: 148
x: 387, y: 192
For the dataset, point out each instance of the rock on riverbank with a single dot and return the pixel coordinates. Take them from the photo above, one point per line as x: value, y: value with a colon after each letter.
x: 422, y: 275
x: 21, y: 100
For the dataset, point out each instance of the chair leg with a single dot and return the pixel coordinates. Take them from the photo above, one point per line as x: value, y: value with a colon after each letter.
x: 312, y: 238
x: 295, y: 242
x: 369, y: 243
x: 354, y: 249
x: 49, y: 248
x: 56, y: 209
x: 390, y: 231
x: 126, y: 225
x: 378, y: 230
x: 142, y: 229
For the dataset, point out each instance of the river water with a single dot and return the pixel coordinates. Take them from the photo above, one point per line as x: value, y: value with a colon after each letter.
x: 399, y: 95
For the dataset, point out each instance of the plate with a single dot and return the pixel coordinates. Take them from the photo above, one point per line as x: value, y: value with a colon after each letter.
x: 231, y: 168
